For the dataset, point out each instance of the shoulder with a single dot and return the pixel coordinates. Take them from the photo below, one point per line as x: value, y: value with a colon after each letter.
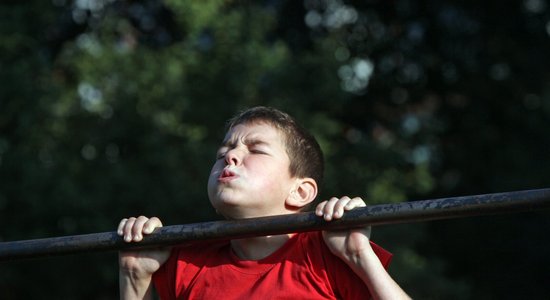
x: 314, y: 244
x: 333, y: 272
x: 196, y: 253
x: 310, y: 239
x: 315, y: 251
x: 184, y: 263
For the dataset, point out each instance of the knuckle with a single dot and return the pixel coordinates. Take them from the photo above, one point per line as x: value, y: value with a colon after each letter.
x: 340, y: 204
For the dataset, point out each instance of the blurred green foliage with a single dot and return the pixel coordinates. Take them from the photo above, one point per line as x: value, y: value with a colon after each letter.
x: 111, y: 109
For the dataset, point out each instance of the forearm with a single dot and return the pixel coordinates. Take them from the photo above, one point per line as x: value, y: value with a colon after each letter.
x: 369, y: 268
x: 135, y: 287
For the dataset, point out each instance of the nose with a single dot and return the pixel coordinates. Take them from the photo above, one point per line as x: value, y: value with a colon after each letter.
x: 232, y: 157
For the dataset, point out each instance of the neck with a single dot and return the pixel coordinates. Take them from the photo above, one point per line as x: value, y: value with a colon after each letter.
x: 258, y: 247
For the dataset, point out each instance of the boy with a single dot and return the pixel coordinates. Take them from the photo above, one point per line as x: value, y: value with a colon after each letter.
x: 266, y: 165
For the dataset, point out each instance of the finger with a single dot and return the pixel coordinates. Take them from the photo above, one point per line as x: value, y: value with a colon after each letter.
x: 137, y: 229
x: 338, y: 211
x: 320, y: 207
x: 120, y: 227
x: 355, y: 202
x: 151, y: 224
x: 127, y: 229
x: 328, y: 210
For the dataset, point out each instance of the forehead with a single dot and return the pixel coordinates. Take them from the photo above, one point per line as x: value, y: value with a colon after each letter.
x: 262, y: 131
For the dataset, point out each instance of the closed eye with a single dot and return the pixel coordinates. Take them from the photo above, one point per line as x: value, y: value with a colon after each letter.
x: 257, y: 146
x: 256, y: 151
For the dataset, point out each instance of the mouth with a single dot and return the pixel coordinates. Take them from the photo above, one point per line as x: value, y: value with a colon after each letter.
x: 227, y: 175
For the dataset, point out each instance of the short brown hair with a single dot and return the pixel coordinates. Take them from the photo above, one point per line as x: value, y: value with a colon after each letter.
x: 306, y: 157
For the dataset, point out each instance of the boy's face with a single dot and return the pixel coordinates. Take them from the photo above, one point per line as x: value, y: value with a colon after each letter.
x: 251, y: 176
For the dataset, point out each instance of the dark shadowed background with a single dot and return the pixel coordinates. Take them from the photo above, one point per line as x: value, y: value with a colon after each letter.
x: 115, y: 108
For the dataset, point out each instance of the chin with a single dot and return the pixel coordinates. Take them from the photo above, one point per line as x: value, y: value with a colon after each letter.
x: 232, y: 210
x: 228, y: 213
x: 223, y: 204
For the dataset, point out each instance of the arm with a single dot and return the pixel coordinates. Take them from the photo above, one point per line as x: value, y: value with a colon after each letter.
x: 136, y: 268
x: 353, y: 247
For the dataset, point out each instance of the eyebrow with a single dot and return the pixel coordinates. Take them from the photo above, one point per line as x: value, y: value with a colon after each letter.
x: 255, y: 141
x: 248, y: 141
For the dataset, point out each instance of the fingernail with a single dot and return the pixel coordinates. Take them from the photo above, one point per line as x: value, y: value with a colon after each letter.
x: 128, y: 238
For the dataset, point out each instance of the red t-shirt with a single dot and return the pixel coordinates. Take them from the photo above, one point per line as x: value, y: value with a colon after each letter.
x: 303, y: 268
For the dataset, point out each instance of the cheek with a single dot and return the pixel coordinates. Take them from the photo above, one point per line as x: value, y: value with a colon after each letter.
x: 214, y: 173
x: 216, y: 168
x: 275, y: 178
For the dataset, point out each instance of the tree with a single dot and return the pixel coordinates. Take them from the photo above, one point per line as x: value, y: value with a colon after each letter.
x: 111, y: 109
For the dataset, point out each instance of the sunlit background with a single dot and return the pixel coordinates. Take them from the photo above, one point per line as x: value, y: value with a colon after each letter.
x: 115, y: 108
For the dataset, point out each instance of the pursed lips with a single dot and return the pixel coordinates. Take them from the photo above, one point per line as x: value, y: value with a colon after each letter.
x: 227, y: 175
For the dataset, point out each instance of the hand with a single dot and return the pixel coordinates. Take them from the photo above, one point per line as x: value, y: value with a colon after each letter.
x: 140, y: 263
x: 346, y: 244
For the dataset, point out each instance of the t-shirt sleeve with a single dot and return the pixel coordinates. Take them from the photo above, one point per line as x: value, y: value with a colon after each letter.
x: 346, y: 284
x: 384, y: 255
x: 164, y: 279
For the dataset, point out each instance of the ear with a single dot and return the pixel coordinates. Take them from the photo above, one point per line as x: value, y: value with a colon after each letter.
x: 303, y: 193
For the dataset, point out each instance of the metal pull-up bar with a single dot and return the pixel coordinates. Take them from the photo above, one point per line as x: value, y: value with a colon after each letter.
x: 415, y: 211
